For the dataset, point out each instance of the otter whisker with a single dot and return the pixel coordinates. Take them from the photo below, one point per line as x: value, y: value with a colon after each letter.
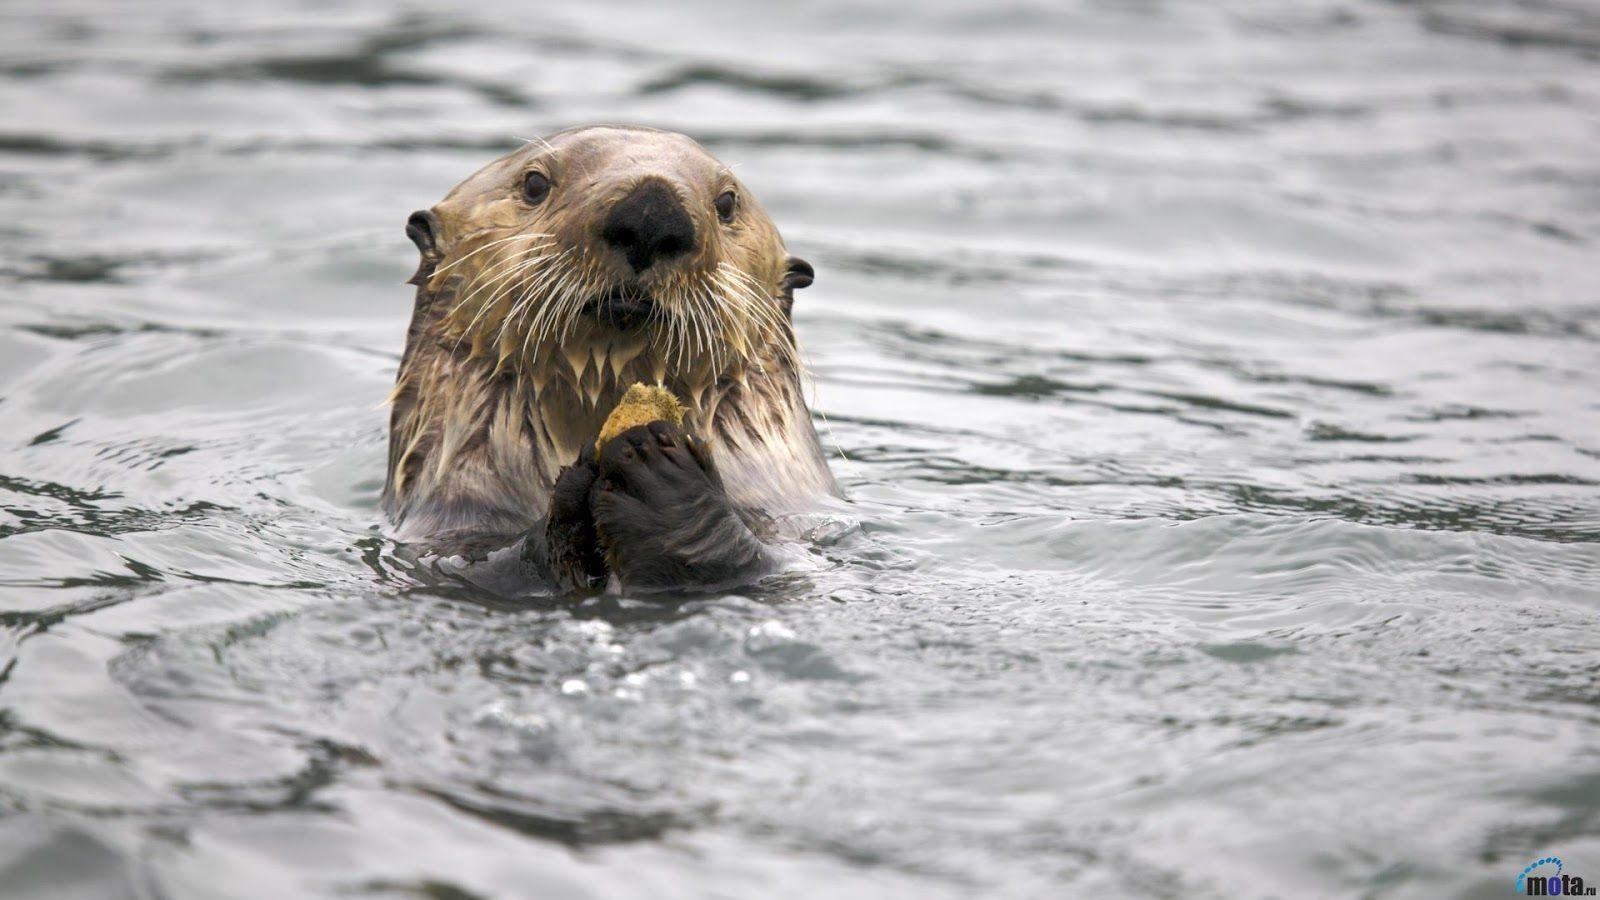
x: 729, y: 323
x: 713, y: 323
x: 521, y: 264
x: 538, y: 287
x: 524, y: 305
x: 750, y: 303
x: 757, y: 296
x: 692, y: 329
x: 760, y: 308
x: 734, y: 276
x: 486, y: 278
x: 706, y: 315
x: 523, y: 234
x: 673, y: 349
x: 470, y: 290
x: 656, y: 322
x: 491, y: 302
x: 503, y: 270
x: 560, y: 297
x: 571, y: 301
x: 678, y: 344
x: 689, y: 317
x: 741, y: 311
x: 695, y: 324
x: 550, y: 311
x: 696, y: 315
x: 558, y: 266
x: 512, y: 278
x: 534, y: 287
x: 761, y: 302
x: 498, y: 270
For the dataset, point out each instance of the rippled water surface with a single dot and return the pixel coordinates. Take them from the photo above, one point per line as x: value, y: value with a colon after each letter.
x: 1217, y: 385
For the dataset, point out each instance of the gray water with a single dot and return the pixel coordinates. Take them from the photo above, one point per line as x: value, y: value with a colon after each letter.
x: 1217, y: 385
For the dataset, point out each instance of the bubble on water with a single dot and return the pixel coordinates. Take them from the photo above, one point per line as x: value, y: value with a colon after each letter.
x: 776, y: 647
x: 769, y: 632
x: 500, y: 714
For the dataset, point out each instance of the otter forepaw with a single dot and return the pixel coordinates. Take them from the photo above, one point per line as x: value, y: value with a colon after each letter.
x: 570, y: 551
x: 662, y: 516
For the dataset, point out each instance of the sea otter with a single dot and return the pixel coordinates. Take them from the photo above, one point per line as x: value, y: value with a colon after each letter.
x: 552, y: 280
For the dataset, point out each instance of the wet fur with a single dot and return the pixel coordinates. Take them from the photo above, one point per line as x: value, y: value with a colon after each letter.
x: 488, y: 409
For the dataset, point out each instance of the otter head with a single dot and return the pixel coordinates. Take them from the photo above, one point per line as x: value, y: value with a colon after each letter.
x: 609, y: 253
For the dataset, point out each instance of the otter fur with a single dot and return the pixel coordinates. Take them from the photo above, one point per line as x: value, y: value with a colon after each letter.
x: 550, y: 281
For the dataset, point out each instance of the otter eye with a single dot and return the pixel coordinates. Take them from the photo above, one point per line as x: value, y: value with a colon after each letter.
x: 535, y: 186
x: 725, y: 204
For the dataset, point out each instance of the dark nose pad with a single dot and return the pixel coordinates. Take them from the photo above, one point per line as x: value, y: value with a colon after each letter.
x: 649, y: 225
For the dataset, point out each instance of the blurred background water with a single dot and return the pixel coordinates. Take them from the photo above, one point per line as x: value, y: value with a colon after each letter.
x: 1217, y: 384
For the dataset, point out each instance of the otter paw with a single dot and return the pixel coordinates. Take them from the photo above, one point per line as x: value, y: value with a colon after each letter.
x: 572, y: 554
x: 662, y: 515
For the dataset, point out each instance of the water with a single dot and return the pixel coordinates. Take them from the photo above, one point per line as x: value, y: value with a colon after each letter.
x: 1216, y: 385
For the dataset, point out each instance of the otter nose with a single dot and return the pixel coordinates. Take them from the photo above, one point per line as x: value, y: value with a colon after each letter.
x: 649, y: 225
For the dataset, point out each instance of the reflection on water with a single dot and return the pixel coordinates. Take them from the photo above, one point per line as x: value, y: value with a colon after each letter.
x: 1216, y: 384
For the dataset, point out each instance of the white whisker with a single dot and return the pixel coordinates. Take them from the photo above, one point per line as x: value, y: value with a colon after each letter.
x: 508, y: 277
x: 535, y: 285
x: 524, y: 234
x: 549, y: 310
x: 499, y: 269
x: 540, y: 287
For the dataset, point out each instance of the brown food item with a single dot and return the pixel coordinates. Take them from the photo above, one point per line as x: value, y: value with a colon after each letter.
x: 640, y: 405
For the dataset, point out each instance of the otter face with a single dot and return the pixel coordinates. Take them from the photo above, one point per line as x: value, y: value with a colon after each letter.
x: 609, y: 241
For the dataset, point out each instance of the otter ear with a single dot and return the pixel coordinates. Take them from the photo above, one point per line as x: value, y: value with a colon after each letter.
x: 423, y: 229
x: 798, y: 275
